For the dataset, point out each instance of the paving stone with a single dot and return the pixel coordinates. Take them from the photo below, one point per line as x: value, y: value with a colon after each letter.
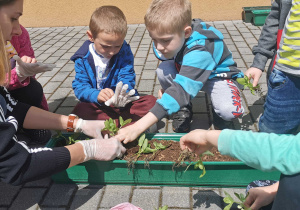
x: 60, y: 76
x: 68, y: 82
x: 59, y: 195
x: 114, y: 195
x: 50, y: 87
x: 87, y: 198
x: 145, y: 85
x: 53, y: 105
x: 207, y: 199
x: 200, y: 121
x: 28, y: 198
x: 178, y: 197
x: 43, y: 80
x: 151, y: 65
x: 60, y: 93
x: 148, y: 74
x: 256, y: 112
x: 146, y: 199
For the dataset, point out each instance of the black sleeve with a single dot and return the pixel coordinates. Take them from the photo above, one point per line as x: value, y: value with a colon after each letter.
x: 20, y: 164
x: 15, y: 109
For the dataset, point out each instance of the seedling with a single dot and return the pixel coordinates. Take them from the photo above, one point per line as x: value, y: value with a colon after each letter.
x: 111, y: 126
x: 246, y: 82
x: 162, y: 208
x: 145, y: 148
x: 67, y: 141
x: 229, y: 200
x: 186, y: 155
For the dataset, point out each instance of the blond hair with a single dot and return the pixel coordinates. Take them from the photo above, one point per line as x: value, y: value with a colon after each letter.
x: 4, y: 62
x: 108, y: 19
x: 168, y: 16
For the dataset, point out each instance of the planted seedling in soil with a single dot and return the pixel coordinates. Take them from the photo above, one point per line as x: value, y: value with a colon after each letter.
x: 145, y: 148
x: 66, y: 141
x: 186, y: 155
x: 111, y: 127
x: 246, y: 82
x: 229, y: 200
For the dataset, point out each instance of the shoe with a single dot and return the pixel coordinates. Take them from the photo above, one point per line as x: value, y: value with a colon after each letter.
x: 182, y: 119
x: 39, y: 137
x: 219, y: 123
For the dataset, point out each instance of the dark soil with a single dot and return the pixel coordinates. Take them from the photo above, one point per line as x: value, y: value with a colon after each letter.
x: 172, y: 153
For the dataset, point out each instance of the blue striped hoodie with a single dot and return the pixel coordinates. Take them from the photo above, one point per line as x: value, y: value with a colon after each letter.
x: 203, y: 56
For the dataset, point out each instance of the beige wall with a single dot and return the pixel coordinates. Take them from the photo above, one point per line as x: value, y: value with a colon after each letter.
x: 46, y: 13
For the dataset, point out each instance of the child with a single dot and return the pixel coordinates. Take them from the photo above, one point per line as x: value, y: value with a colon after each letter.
x: 26, y: 89
x: 267, y: 152
x: 282, y: 107
x: 101, y: 63
x: 195, y: 57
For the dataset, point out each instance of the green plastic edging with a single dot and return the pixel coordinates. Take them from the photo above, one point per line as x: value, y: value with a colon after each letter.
x: 218, y: 174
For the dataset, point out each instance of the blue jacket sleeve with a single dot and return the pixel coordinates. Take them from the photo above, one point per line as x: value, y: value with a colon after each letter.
x: 82, y: 85
x: 264, y: 151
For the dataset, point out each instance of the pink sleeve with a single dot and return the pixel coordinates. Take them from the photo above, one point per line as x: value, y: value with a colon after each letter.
x: 23, y: 47
x: 22, y: 44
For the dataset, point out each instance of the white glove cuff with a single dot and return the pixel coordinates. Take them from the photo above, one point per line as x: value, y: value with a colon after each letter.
x: 78, y: 128
x: 88, y: 149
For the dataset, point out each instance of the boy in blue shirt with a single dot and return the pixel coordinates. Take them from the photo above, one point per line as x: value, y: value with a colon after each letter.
x: 101, y: 63
x: 194, y: 58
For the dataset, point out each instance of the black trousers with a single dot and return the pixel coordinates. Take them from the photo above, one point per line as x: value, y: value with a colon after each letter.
x: 288, y: 196
x: 32, y: 94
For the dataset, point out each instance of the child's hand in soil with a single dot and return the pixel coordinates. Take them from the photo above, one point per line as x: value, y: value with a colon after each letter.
x: 255, y: 74
x: 199, y: 141
x: 128, y: 134
x: 105, y: 94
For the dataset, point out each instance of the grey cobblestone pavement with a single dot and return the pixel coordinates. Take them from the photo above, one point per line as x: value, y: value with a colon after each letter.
x: 56, y: 45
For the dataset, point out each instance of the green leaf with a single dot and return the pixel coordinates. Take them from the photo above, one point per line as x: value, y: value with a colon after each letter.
x: 242, y: 81
x: 228, y: 207
x: 142, y: 139
x: 149, y: 150
x: 203, y: 172
x: 121, y: 121
x: 228, y: 198
x: 208, y: 153
x: 127, y: 122
x: 145, y: 145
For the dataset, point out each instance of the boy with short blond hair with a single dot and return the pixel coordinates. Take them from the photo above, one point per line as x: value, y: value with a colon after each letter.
x: 195, y: 58
x: 101, y: 63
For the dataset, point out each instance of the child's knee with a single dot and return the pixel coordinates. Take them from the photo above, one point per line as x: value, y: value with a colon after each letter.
x: 229, y: 113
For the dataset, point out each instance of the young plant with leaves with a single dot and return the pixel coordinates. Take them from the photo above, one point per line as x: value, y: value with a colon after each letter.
x: 185, y: 156
x: 162, y: 208
x: 229, y: 200
x: 246, y: 82
x: 111, y: 126
x: 145, y: 148
x: 66, y: 141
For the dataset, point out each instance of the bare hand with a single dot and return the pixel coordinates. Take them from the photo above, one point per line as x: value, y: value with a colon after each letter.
x: 261, y: 196
x: 27, y: 59
x: 105, y: 94
x: 160, y: 93
x: 128, y: 134
x: 255, y: 74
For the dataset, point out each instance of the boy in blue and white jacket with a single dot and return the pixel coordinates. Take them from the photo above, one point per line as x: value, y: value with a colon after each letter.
x: 195, y: 58
x: 101, y: 63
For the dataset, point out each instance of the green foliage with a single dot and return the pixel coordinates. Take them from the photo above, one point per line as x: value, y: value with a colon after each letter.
x: 199, y: 164
x: 111, y: 125
x: 163, y: 208
x: 67, y: 141
x: 246, y: 82
x: 229, y: 200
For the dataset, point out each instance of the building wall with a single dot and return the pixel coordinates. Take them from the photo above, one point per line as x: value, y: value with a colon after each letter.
x: 47, y: 13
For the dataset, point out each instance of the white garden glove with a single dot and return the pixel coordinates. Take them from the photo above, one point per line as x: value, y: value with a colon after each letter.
x: 25, y: 70
x: 102, y: 149
x: 90, y: 128
x: 121, y: 98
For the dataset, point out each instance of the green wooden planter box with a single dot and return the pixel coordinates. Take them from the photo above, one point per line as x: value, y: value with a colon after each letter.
x: 247, y: 14
x: 218, y: 174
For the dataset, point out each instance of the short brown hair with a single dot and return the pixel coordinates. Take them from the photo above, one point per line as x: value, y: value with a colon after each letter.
x: 109, y: 19
x: 168, y: 16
